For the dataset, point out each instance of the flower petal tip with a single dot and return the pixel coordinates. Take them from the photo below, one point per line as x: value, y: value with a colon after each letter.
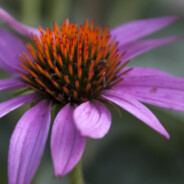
x: 67, y: 145
x: 56, y: 174
x: 166, y: 19
x: 167, y: 136
x: 172, y: 18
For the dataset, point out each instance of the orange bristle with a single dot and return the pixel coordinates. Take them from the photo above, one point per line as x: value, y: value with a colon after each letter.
x: 72, y: 63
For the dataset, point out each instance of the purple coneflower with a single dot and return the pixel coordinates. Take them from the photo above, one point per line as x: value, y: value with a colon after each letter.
x: 79, y: 70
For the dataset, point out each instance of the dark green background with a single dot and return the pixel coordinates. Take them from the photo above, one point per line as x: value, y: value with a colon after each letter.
x: 131, y: 153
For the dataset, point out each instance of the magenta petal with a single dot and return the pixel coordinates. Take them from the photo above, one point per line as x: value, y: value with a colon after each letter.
x: 13, y: 47
x: 21, y: 28
x: 67, y: 144
x: 10, y: 105
x: 163, y: 91
x: 27, y: 143
x: 134, y: 30
x: 10, y: 84
x: 137, y: 109
x: 92, y: 119
x: 136, y: 48
x: 141, y: 71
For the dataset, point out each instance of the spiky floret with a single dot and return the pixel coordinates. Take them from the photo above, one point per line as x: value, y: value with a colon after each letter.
x: 71, y: 64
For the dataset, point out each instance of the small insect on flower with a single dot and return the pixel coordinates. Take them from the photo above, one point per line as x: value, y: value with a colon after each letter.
x: 79, y: 69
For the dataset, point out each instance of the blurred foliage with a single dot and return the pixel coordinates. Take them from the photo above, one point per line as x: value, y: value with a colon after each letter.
x: 131, y: 153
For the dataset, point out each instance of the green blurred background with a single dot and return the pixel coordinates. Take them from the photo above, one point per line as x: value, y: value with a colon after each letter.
x: 131, y: 153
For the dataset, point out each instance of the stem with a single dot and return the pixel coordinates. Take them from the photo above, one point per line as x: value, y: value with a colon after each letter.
x: 76, y: 176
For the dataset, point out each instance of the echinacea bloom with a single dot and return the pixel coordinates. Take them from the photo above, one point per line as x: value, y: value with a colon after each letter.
x: 78, y: 69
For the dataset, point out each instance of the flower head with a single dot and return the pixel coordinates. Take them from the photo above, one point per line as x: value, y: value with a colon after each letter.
x: 71, y: 64
x: 78, y: 68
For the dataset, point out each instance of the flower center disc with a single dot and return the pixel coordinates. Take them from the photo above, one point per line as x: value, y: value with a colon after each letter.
x: 71, y: 64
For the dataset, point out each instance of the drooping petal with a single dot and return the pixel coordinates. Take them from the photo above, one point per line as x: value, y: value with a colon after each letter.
x: 67, y: 144
x: 136, y: 48
x: 27, y: 143
x: 10, y: 105
x: 134, y: 30
x: 10, y: 84
x: 137, y: 109
x: 21, y: 28
x: 92, y: 119
x: 10, y: 48
x: 163, y: 91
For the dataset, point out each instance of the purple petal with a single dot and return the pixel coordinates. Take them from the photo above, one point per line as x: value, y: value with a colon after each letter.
x: 141, y: 71
x: 10, y: 84
x: 27, y: 143
x: 136, y: 48
x: 163, y: 91
x: 92, y: 119
x: 134, y: 30
x: 21, y: 28
x: 137, y: 109
x: 10, y: 105
x: 13, y: 47
x: 67, y: 144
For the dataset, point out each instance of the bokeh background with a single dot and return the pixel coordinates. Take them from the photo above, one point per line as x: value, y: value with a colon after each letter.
x: 131, y: 153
